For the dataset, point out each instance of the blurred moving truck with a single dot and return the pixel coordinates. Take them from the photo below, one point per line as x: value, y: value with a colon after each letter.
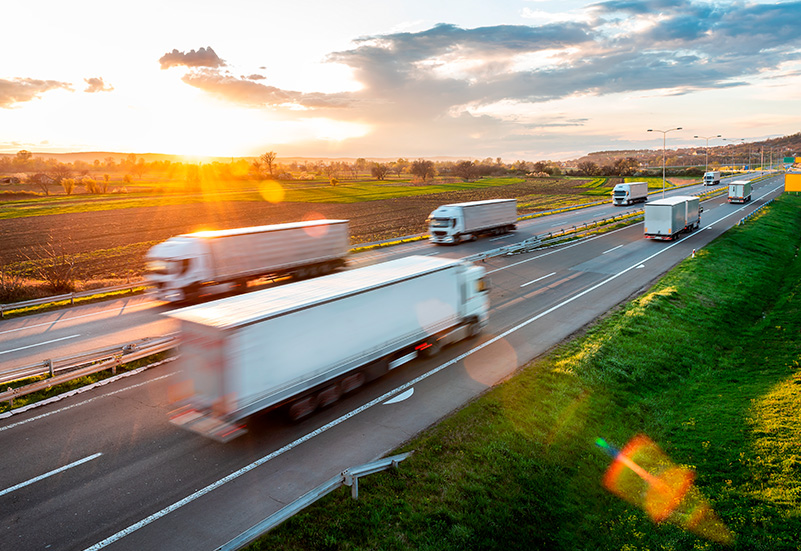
x: 211, y: 262
x: 739, y: 191
x: 302, y: 346
x: 629, y: 193
x: 712, y: 178
x: 457, y: 222
x: 665, y: 219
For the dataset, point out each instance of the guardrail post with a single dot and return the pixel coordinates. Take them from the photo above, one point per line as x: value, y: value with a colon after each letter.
x: 10, y: 400
x: 49, y: 365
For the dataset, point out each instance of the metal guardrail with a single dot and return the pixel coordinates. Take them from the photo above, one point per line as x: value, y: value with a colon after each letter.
x: 348, y: 477
x: 75, y: 367
x: 69, y: 296
x: 753, y: 213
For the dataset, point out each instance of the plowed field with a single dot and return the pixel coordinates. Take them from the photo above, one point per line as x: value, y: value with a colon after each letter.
x: 112, y: 243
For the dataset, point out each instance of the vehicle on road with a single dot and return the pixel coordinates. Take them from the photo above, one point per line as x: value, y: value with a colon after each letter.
x: 303, y: 345
x: 629, y: 193
x: 666, y: 219
x: 712, y: 178
x: 459, y: 222
x: 212, y: 262
x: 739, y: 191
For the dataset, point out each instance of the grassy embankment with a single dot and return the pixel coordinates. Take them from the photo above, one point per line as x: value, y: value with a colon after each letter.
x: 707, y: 363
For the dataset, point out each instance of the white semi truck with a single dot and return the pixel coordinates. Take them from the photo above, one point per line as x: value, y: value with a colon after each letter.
x: 739, y: 191
x: 458, y: 222
x: 629, y: 193
x: 211, y: 262
x: 303, y: 345
x: 666, y: 219
x: 712, y: 178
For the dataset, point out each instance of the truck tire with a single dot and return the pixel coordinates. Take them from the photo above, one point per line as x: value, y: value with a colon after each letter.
x: 474, y: 329
x: 302, y: 408
x: 432, y: 350
x: 328, y: 396
x: 352, y: 382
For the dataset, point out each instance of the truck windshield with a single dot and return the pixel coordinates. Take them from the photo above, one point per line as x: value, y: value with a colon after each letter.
x: 160, y: 267
x: 440, y: 222
x: 620, y: 193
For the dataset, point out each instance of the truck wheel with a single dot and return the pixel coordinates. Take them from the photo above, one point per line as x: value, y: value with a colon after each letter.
x: 474, y: 329
x: 302, y: 408
x: 352, y: 382
x: 328, y: 396
x: 432, y: 350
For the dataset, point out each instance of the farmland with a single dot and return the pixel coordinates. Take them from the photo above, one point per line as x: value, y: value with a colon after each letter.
x: 106, y: 236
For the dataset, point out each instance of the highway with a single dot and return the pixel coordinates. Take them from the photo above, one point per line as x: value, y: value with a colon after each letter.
x: 104, y: 469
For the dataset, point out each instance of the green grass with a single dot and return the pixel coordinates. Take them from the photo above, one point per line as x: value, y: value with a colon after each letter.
x: 706, y: 363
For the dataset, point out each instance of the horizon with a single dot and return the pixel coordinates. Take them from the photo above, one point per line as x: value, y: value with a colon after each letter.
x: 518, y: 80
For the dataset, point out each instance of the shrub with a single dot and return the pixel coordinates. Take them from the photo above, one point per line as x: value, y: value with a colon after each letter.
x: 90, y: 185
x: 68, y: 184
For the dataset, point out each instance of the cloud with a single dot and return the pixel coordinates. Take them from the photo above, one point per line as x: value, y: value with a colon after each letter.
x: 96, y: 84
x: 204, y: 57
x: 20, y: 90
x: 438, y: 85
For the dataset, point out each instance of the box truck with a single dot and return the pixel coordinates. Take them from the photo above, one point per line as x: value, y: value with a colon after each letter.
x: 739, y: 191
x: 630, y: 193
x: 666, y: 218
x: 712, y: 178
x: 211, y: 262
x: 458, y: 222
x: 303, y: 345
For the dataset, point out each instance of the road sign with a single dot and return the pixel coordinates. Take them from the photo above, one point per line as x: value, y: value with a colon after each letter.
x: 792, y: 181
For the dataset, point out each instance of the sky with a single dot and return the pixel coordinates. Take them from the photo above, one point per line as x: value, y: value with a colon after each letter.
x: 516, y: 79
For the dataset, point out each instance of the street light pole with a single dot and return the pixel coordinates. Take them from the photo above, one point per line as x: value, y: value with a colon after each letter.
x: 706, y: 150
x: 664, y: 135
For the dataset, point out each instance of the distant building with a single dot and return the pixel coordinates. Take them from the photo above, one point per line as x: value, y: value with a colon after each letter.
x: 9, y: 180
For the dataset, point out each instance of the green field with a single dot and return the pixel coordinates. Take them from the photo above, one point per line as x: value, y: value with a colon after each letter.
x: 707, y: 363
x: 305, y: 192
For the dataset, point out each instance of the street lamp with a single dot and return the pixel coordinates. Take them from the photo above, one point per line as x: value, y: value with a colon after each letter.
x: 664, y: 137
x: 706, y: 150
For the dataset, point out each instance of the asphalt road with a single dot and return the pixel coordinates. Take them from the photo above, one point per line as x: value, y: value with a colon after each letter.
x: 104, y: 469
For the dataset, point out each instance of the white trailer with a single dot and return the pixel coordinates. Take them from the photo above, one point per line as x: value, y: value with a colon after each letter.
x: 301, y: 346
x: 211, y: 262
x: 665, y: 219
x: 629, y: 193
x: 739, y: 191
x: 712, y: 178
x: 458, y: 222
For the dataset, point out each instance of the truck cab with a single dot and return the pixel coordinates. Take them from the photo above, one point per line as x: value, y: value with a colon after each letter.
x: 176, y: 267
x: 446, y: 225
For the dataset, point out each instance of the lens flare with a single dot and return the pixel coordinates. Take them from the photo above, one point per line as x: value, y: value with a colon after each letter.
x: 271, y: 191
x: 644, y: 475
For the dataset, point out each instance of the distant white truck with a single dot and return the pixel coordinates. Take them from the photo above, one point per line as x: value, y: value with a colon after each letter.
x: 458, y: 222
x: 739, y: 191
x: 212, y: 262
x: 712, y: 178
x: 666, y: 219
x: 629, y: 193
x: 303, y: 345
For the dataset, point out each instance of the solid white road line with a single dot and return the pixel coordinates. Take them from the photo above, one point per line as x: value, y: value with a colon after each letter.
x: 38, y: 344
x: 51, y: 473
x: 538, y: 279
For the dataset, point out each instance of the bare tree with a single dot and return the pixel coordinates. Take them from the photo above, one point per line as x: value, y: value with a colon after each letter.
x: 424, y: 169
x: 379, y: 171
x: 268, y: 160
x: 466, y: 170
